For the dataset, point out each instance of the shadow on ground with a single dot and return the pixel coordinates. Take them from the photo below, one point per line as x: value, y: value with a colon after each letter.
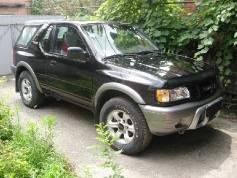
x: 198, y: 151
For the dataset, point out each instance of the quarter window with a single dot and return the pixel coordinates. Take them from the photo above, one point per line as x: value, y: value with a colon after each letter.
x: 45, y: 43
x: 26, y: 36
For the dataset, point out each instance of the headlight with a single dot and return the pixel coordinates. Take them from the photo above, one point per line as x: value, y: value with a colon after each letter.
x: 168, y: 95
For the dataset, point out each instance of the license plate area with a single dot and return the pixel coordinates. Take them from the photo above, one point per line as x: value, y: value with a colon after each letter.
x: 213, y: 109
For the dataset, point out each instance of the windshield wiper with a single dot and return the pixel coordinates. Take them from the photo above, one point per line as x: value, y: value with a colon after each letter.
x: 131, y: 54
x: 119, y: 56
x: 148, y: 52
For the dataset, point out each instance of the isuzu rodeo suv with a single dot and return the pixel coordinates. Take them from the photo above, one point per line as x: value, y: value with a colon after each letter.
x: 117, y: 72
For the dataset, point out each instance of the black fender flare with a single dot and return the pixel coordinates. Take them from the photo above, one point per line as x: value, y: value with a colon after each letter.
x: 28, y: 67
x: 119, y: 87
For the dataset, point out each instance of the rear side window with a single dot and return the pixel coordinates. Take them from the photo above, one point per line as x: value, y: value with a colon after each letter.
x: 26, y: 35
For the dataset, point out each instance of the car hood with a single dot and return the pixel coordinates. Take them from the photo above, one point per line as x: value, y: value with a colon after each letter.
x: 161, y: 65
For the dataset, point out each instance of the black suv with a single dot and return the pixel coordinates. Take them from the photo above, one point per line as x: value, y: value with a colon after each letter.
x: 117, y: 72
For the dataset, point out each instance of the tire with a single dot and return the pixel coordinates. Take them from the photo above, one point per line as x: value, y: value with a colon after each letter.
x: 30, y: 94
x: 125, y: 119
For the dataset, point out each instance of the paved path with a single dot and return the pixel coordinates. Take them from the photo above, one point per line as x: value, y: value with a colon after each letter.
x: 207, y: 152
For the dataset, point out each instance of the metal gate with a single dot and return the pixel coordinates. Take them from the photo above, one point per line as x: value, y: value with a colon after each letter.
x: 10, y: 27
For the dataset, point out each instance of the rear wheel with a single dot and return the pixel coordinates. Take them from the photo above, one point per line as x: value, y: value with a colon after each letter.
x: 126, y: 120
x: 30, y: 94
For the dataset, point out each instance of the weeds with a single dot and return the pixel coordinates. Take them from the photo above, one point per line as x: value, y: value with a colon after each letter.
x: 3, y: 79
x: 106, y: 152
x: 229, y: 111
x: 5, y: 117
x: 29, y: 153
x: 230, y: 106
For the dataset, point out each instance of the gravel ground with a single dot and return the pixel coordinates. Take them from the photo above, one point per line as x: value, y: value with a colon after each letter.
x: 210, y: 151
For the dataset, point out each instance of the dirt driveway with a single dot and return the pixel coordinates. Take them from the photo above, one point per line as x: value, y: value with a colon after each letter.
x: 207, y: 152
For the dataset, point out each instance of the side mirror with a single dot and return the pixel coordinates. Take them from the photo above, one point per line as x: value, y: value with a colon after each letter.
x: 77, y: 54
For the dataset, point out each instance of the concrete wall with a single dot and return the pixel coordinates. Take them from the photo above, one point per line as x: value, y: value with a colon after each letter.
x: 10, y: 27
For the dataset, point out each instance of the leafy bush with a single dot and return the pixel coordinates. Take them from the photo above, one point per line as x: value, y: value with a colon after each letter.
x: 29, y: 153
x: 212, y: 33
x: 13, y: 163
x: 5, y: 117
x: 159, y: 19
x: 36, y: 7
x: 37, y: 145
x: 6, y: 127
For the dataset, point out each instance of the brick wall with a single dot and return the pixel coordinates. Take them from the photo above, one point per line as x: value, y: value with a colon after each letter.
x: 189, y: 6
x: 14, y: 7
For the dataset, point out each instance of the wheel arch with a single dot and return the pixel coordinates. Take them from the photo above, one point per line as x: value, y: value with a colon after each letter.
x: 111, y: 90
x: 23, y: 66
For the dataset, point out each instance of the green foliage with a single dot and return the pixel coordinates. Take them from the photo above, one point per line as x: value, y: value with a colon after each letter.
x: 87, y: 172
x: 6, y: 126
x: 212, y: 32
x: 31, y: 153
x: 229, y: 111
x: 36, y: 143
x: 106, y: 152
x: 56, y: 166
x: 13, y: 163
x: 36, y: 7
x: 161, y: 20
x: 229, y: 105
x: 125, y: 40
x: 3, y: 79
x: 72, y: 8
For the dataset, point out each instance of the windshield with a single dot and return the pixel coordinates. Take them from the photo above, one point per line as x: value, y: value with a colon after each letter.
x: 114, y: 39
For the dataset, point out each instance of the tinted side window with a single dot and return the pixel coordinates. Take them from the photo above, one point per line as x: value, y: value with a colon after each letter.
x: 26, y: 35
x: 67, y: 37
x: 60, y: 31
x: 45, y: 42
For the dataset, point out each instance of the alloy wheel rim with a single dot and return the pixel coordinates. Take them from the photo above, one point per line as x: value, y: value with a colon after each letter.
x: 26, y: 89
x: 121, y: 124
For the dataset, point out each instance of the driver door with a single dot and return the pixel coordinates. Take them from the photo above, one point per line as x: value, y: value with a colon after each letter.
x: 69, y: 79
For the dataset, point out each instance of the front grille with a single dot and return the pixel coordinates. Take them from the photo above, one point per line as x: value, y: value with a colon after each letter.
x: 203, y: 89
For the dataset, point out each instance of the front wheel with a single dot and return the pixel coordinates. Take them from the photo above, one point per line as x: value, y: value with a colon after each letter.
x: 126, y: 120
x: 30, y: 94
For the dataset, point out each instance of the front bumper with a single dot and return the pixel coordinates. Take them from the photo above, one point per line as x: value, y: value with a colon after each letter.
x: 166, y: 120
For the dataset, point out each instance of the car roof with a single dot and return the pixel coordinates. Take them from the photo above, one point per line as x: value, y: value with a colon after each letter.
x: 58, y: 21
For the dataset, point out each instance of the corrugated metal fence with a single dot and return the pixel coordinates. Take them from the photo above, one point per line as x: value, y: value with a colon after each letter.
x: 10, y: 27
